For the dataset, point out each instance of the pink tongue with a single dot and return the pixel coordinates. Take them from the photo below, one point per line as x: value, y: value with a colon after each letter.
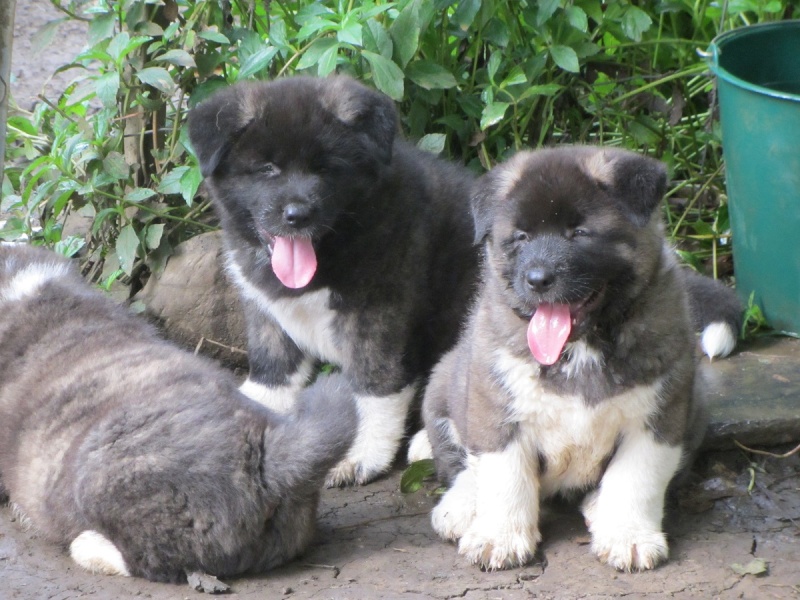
x: 548, y: 332
x: 294, y: 261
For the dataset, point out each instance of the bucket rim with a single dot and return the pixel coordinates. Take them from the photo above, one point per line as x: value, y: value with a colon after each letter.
x: 716, y: 47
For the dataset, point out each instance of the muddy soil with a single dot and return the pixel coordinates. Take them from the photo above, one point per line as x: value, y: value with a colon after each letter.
x: 740, y: 513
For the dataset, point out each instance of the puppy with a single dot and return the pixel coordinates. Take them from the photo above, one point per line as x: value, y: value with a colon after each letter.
x: 146, y: 460
x: 575, y: 370
x: 348, y: 245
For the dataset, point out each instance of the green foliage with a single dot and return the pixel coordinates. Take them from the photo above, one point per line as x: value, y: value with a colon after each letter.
x: 474, y: 79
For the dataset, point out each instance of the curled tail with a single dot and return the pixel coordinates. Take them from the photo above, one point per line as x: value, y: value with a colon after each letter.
x: 302, y: 447
x: 716, y: 313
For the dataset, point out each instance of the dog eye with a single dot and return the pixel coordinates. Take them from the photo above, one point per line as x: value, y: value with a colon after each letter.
x: 578, y: 232
x: 269, y: 169
x: 521, y: 236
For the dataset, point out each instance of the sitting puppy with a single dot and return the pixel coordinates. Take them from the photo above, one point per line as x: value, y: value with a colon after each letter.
x: 347, y: 245
x: 146, y: 460
x: 575, y: 371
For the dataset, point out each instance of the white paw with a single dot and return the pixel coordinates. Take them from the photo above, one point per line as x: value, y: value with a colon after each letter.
x: 454, y: 514
x: 97, y: 554
x: 381, y: 424
x: 495, y: 549
x: 280, y: 399
x: 630, y: 549
x: 419, y: 448
x: 624, y: 546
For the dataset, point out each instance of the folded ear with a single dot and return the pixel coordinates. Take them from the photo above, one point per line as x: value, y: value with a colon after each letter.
x: 365, y: 110
x: 216, y: 122
x: 637, y: 182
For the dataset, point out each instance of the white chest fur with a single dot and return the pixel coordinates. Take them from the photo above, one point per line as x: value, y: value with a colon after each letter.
x: 307, y: 319
x: 573, y: 437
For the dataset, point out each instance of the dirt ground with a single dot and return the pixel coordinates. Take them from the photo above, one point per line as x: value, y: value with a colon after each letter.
x: 739, y: 513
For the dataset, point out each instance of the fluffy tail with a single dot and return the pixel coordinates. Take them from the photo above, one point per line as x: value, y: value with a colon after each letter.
x: 716, y: 313
x: 305, y: 445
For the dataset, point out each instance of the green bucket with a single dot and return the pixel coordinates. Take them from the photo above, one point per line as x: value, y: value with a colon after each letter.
x: 758, y: 82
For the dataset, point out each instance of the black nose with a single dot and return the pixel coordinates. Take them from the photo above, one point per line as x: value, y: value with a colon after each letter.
x: 540, y: 279
x: 297, y: 215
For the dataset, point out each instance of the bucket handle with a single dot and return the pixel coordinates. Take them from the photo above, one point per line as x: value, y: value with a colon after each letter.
x: 711, y: 56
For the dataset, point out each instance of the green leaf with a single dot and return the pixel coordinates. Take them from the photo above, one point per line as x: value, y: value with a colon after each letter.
x: 314, y: 52
x: 152, y: 236
x: 256, y: 62
x: 494, y: 63
x: 115, y: 166
x: 107, y: 86
x: 213, y: 36
x: 139, y: 194
x: 565, y: 57
x: 350, y: 33
x: 415, y: 474
x: 430, y: 75
x: 547, y: 9
x: 516, y: 77
x: 171, y: 182
x: 69, y: 247
x: 493, y: 113
x: 127, y: 247
x: 101, y: 28
x: 576, y: 17
x: 757, y: 566
x: 545, y: 89
x: 387, y: 75
x: 432, y: 142
x: 465, y: 13
x: 158, y: 77
x: 405, y: 33
x: 43, y: 36
x: 327, y: 62
x: 376, y: 39
x: 177, y: 57
x: 189, y: 182
x: 635, y: 22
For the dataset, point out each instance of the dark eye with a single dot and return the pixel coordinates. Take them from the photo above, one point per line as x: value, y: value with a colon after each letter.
x: 579, y: 232
x: 521, y: 236
x: 269, y: 170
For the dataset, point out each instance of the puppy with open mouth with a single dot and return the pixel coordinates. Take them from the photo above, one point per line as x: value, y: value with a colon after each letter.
x: 575, y: 371
x: 347, y: 244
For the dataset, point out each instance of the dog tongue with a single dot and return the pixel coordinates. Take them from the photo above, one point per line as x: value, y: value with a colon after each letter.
x: 548, y: 332
x: 293, y: 261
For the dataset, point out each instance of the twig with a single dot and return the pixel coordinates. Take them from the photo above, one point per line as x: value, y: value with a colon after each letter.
x: 220, y: 344
x: 795, y: 450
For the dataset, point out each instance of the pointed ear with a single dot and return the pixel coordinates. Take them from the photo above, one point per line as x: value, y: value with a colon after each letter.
x: 637, y: 182
x: 216, y: 122
x: 483, y: 202
x: 365, y: 110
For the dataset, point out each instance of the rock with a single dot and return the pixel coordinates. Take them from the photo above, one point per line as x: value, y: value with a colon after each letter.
x: 195, y: 304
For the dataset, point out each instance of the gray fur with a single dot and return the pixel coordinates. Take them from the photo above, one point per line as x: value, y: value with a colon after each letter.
x: 106, y: 427
x: 642, y: 328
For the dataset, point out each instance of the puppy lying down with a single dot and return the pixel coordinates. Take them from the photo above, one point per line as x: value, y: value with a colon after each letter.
x: 141, y: 458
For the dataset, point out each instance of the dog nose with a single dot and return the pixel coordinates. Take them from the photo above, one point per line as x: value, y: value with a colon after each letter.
x: 540, y: 279
x: 297, y: 215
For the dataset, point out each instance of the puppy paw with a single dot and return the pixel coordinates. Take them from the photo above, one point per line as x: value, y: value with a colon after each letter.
x: 419, y: 448
x: 352, y: 472
x: 452, y: 517
x: 494, y: 550
x: 631, y: 550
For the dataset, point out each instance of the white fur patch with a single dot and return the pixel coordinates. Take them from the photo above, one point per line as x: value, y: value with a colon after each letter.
x: 718, y: 339
x: 454, y: 513
x: 624, y: 514
x: 97, y: 554
x: 573, y: 438
x: 307, y: 319
x: 26, y: 282
x: 505, y: 530
x: 419, y: 448
x: 279, y: 398
x: 381, y: 424
x: 580, y: 356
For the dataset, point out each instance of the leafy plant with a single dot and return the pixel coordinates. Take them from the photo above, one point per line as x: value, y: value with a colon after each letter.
x: 474, y: 79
